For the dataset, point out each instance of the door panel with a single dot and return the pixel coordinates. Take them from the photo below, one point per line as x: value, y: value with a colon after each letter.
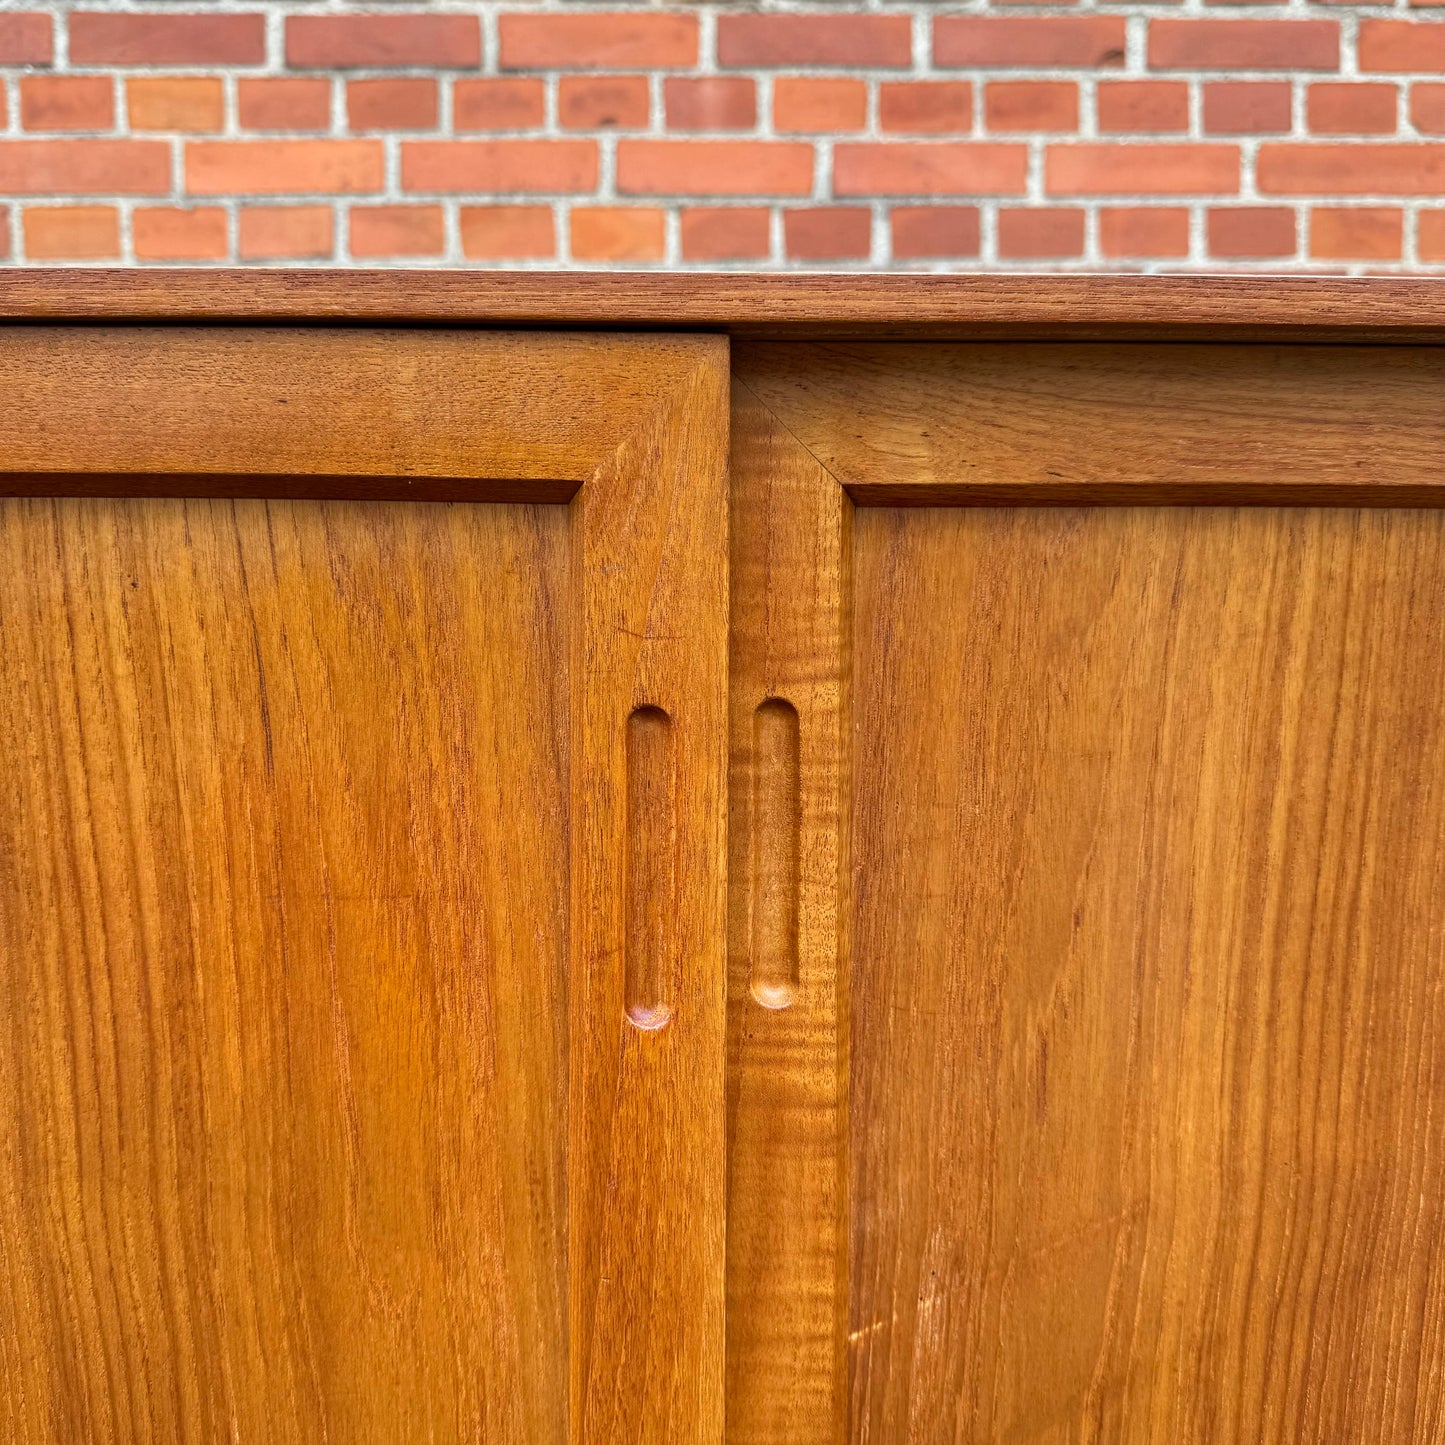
x: 1148, y: 987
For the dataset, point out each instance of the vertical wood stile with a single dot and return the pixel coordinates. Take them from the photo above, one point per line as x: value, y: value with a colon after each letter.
x: 646, y: 1162
x: 787, y: 1065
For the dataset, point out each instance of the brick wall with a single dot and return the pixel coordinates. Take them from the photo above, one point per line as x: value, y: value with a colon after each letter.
x: 1168, y: 135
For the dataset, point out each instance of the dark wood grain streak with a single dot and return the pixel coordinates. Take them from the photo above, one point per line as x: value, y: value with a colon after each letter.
x: 1240, y: 308
x: 1149, y: 977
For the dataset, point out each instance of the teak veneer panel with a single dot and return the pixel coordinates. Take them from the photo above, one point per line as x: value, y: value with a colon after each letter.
x: 1148, y: 987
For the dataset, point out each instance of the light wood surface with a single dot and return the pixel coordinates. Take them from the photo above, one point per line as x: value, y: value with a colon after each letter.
x: 917, y: 424
x: 1148, y: 983
x: 284, y: 907
x: 877, y: 307
x: 787, y: 997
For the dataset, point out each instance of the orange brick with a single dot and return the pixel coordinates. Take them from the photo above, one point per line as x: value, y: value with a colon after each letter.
x: 283, y: 167
x: 843, y: 41
x: 514, y: 103
x: 1042, y: 234
x: 1352, y: 108
x: 1430, y: 236
x: 711, y: 102
x: 1027, y: 105
x: 72, y: 233
x: 1359, y: 168
x: 4, y: 233
x: 1137, y: 232
x: 1246, y: 107
x: 287, y: 103
x: 67, y: 102
x: 169, y: 233
x: 26, y: 38
x: 286, y: 233
x: 99, y: 37
x: 929, y: 168
x: 1143, y: 105
x: 924, y: 107
x: 1258, y: 233
x: 507, y: 233
x: 500, y: 167
x: 188, y: 103
x: 1085, y: 41
x: 1427, y: 107
x: 597, y: 41
x: 85, y: 167
x: 597, y: 102
x: 819, y: 106
x: 828, y: 233
x: 396, y: 231
x: 347, y: 41
x: 725, y: 233
x: 1356, y: 233
x: 392, y: 103
x: 1090, y: 169
x: 1402, y: 45
x: 714, y: 168
x: 922, y: 233
x: 1244, y: 44
x: 618, y: 233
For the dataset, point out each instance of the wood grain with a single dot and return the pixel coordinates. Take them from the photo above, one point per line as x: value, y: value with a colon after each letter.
x: 1148, y: 986
x: 980, y: 425
x: 787, y: 996
x: 1238, y: 308
x: 283, y: 915
x: 647, y: 1166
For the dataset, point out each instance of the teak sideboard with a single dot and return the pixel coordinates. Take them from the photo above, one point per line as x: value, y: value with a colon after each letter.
x: 681, y: 860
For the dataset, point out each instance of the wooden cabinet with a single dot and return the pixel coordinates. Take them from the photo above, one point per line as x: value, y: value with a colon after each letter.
x: 786, y: 861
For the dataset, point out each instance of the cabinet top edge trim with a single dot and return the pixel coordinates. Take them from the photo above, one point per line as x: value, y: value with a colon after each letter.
x: 776, y: 307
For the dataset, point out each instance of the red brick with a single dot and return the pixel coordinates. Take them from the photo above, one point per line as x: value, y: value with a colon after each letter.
x: 4, y: 233
x: 72, y: 233
x: 392, y: 103
x: 500, y: 167
x: 284, y: 103
x: 711, y: 102
x: 67, y: 102
x: 842, y: 41
x: 1430, y: 236
x: 922, y: 233
x: 828, y: 233
x: 169, y: 233
x: 1246, y: 107
x: 725, y: 233
x: 1401, y: 45
x: 1244, y: 44
x: 189, y: 103
x: 1045, y: 40
x: 1143, y: 105
x: 598, y: 41
x: 597, y: 102
x: 1141, y: 170
x: 286, y: 233
x: 1026, y: 105
x: 514, y: 103
x: 26, y: 39
x: 283, y: 167
x: 1242, y: 233
x: 1356, y: 233
x: 1358, y: 168
x: 341, y: 41
x: 396, y: 231
x: 507, y: 233
x: 85, y: 167
x: 1036, y: 235
x: 922, y: 107
x: 929, y: 168
x: 1352, y: 108
x: 1136, y: 232
x: 1427, y: 107
x: 618, y: 233
x: 819, y: 106
x: 714, y: 168
x: 153, y: 38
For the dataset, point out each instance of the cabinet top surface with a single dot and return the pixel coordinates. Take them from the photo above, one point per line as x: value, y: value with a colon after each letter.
x: 793, y: 306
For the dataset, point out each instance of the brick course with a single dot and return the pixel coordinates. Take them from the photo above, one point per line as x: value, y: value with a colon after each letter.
x: 854, y: 134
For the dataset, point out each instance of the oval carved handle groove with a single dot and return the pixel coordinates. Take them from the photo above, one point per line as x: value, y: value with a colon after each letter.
x: 651, y: 869
x: 776, y: 830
